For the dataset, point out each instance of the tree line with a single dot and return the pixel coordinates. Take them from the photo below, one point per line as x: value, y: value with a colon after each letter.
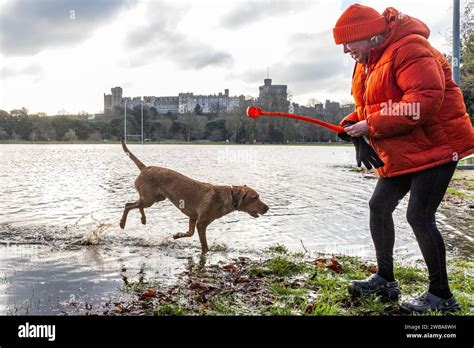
x: 233, y: 127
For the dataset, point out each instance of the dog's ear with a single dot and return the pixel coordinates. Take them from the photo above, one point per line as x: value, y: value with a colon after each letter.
x: 238, y: 196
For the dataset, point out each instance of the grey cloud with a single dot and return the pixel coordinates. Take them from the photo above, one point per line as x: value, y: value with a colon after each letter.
x: 302, y: 38
x: 309, y: 71
x: 252, y: 11
x: 184, y: 53
x: 30, y: 26
x: 31, y: 70
x: 157, y: 27
x: 315, y: 73
x: 317, y: 64
x: 314, y: 45
x: 314, y: 55
x: 330, y: 73
x: 201, y: 57
x: 303, y: 79
x: 158, y: 37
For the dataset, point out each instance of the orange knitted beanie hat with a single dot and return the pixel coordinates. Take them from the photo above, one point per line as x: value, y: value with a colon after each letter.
x: 358, y: 22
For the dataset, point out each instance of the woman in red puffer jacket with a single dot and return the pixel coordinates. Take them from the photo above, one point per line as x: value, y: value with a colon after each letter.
x: 415, y: 118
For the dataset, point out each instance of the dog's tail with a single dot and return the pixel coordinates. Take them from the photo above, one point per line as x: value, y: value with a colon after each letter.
x: 139, y: 164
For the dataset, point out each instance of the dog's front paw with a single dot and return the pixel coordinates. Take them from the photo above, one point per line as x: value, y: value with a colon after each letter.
x: 122, y: 224
x: 143, y: 221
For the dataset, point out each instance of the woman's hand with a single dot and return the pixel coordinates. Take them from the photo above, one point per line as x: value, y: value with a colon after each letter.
x: 357, y: 130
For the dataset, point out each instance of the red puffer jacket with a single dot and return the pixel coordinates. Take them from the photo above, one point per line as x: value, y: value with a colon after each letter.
x: 414, y: 111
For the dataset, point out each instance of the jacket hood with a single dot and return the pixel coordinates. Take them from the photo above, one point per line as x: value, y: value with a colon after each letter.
x: 399, y: 26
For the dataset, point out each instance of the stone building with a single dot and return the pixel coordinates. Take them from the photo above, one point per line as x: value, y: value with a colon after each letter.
x: 114, y: 99
x: 183, y: 103
x: 273, y: 97
x: 209, y: 103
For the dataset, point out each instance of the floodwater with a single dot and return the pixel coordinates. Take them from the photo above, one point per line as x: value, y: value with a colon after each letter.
x: 61, y: 246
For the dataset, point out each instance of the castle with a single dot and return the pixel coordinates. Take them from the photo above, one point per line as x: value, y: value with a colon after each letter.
x: 187, y: 102
x: 181, y: 104
x: 271, y: 97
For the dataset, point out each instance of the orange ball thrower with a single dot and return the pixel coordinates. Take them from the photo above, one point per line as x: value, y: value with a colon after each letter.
x: 255, y: 112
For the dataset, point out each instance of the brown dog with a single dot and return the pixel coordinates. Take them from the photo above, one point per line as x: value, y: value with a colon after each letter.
x: 201, y: 202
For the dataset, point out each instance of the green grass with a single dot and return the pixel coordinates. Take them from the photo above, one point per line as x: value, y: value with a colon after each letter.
x: 332, y: 298
x: 229, y: 304
x: 278, y: 249
x: 281, y: 264
x: 284, y: 283
x: 412, y: 280
x: 169, y: 309
x: 460, y: 272
x: 457, y: 193
x: 280, y: 310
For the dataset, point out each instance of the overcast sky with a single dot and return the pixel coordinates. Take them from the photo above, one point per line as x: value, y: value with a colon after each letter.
x: 64, y: 54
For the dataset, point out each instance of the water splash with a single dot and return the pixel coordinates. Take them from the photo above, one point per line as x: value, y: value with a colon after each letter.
x: 93, y: 234
x: 92, y: 237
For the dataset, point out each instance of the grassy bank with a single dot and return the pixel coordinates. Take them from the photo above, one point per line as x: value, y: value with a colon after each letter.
x: 462, y: 186
x: 284, y: 283
x: 459, y: 201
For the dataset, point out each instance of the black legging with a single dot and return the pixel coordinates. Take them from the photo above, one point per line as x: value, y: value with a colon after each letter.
x: 427, y: 189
